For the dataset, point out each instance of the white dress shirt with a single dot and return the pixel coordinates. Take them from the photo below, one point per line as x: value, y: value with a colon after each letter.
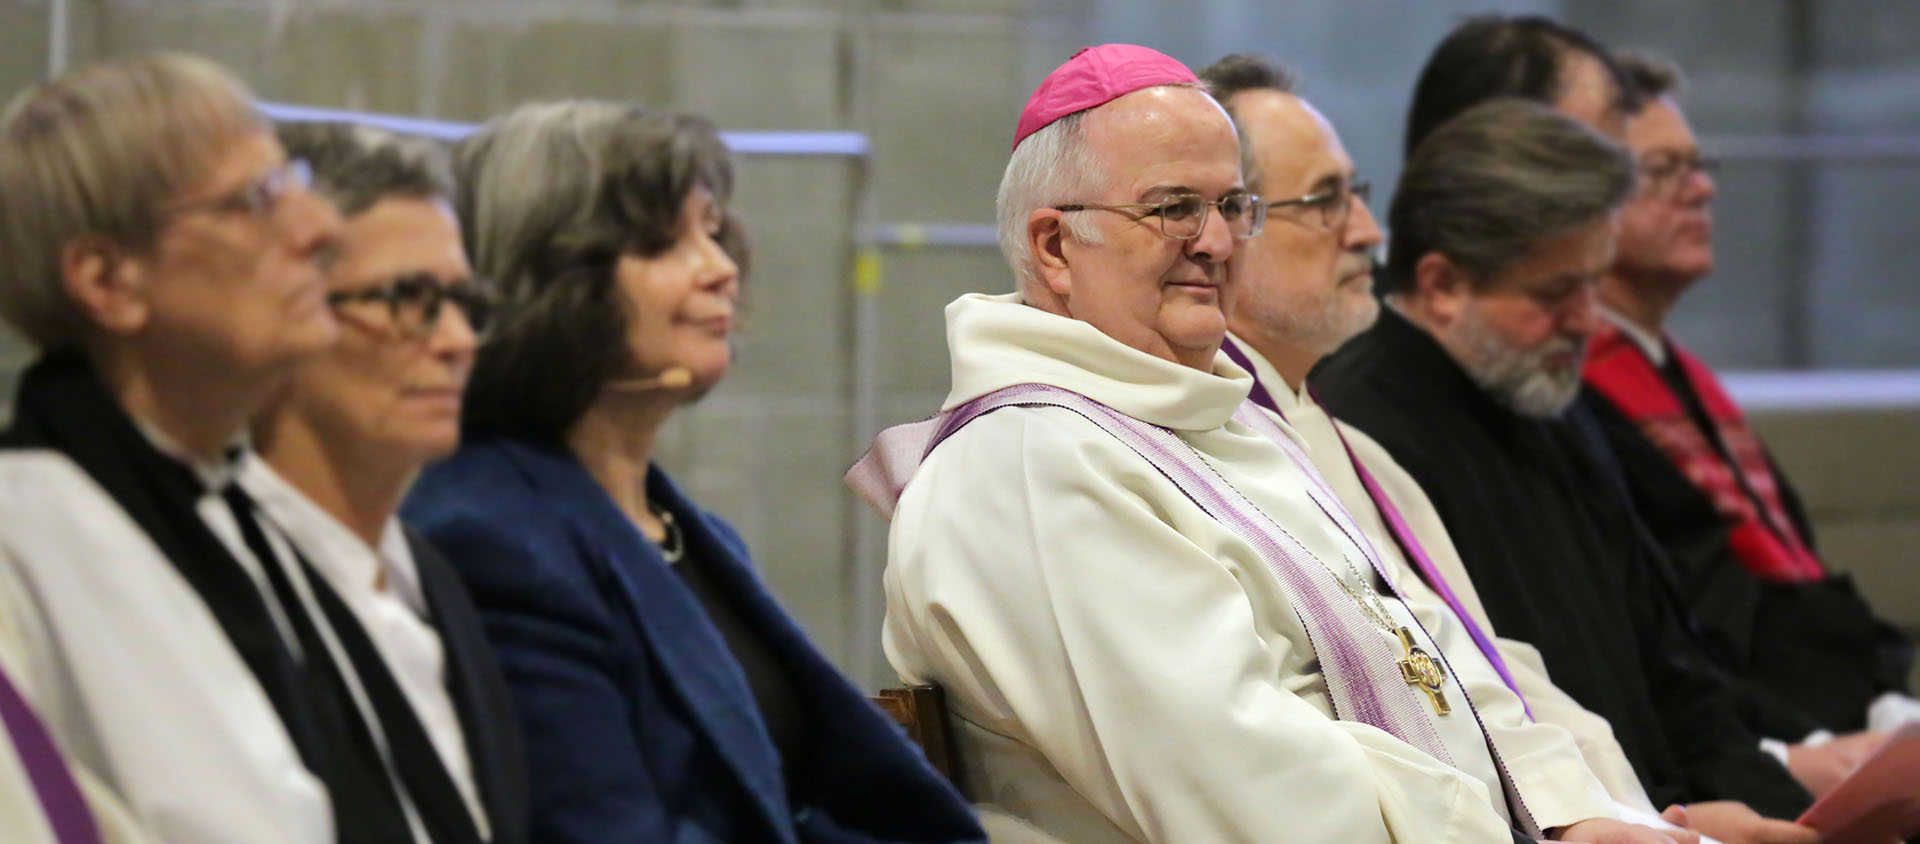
x: 381, y: 586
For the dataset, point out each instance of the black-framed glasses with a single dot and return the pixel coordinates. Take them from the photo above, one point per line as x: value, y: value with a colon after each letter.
x: 1662, y: 172
x: 1184, y: 215
x: 257, y: 198
x: 415, y: 301
x: 1331, y: 208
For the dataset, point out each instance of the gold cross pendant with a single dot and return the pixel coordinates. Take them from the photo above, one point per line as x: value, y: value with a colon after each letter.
x: 1423, y: 672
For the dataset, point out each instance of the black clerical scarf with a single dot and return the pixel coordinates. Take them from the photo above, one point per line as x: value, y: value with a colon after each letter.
x: 63, y: 406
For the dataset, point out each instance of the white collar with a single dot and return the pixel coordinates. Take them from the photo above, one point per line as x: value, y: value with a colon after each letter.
x: 341, y: 555
x: 1284, y: 397
x: 1653, y: 346
x: 214, y: 474
x: 999, y: 341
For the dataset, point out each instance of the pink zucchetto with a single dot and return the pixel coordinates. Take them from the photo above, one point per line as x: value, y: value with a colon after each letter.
x: 1095, y: 76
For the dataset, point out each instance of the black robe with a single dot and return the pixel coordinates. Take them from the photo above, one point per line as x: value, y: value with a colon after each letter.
x: 1561, y: 563
x: 1816, y: 645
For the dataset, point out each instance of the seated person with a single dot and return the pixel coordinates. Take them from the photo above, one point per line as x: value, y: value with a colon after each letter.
x: 1542, y: 60
x: 1502, y: 223
x: 161, y: 252
x: 1306, y: 287
x: 1152, y: 620
x: 663, y: 694
x: 1700, y: 478
x: 345, y: 438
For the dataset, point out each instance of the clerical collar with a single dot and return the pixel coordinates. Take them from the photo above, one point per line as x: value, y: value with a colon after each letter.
x: 1287, y: 397
x: 1654, y: 347
x: 214, y: 474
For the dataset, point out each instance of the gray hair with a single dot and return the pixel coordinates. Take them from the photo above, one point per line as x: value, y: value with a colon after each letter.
x: 1237, y: 73
x: 1651, y: 76
x: 1488, y: 186
x: 357, y: 166
x: 550, y: 197
x: 99, y: 152
x: 1052, y: 166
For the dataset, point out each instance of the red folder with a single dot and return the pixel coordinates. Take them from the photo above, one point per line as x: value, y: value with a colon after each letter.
x: 1879, y: 802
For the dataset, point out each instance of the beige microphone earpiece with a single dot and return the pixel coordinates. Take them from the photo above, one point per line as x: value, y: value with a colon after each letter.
x: 671, y: 378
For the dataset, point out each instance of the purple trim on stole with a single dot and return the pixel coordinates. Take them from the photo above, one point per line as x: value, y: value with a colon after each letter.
x: 1397, y: 525
x: 1359, y: 662
x: 59, y: 795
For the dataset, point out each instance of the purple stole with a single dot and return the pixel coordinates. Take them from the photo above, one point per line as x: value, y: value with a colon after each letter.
x: 1396, y: 524
x: 59, y: 795
x: 1360, y: 665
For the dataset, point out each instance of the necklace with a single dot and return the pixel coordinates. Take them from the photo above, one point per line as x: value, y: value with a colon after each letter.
x: 1419, y: 668
x: 673, y: 544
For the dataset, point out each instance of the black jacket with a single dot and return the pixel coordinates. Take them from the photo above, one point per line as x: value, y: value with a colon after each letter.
x: 1560, y: 562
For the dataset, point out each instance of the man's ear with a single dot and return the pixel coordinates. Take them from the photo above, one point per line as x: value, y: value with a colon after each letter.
x: 108, y: 284
x: 1441, y: 288
x: 1047, y: 236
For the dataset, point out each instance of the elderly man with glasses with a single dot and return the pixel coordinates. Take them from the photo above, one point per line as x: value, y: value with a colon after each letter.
x: 162, y: 254
x: 1149, y: 614
x: 1705, y: 485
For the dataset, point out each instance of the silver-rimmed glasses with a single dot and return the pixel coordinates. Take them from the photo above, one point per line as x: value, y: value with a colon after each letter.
x: 1184, y: 215
x: 1331, y: 208
x: 259, y: 197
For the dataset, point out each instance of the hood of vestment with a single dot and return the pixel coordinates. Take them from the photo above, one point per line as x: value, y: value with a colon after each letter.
x: 996, y: 342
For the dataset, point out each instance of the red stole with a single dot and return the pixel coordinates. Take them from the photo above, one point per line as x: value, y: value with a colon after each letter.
x: 1761, y: 535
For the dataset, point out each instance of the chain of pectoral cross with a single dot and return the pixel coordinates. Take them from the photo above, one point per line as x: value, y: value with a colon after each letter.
x: 1418, y: 668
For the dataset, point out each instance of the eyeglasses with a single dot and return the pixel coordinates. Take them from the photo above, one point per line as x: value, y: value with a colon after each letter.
x: 257, y: 198
x: 415, y: 301
x: 1332, y: 208
x: 1184, y: 215
x: 1662, y: 173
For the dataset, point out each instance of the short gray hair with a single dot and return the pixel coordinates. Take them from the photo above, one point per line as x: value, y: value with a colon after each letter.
x: 357, y: 166
x: 1651, y: 76
x: 1488, y: 186
x: 99, y: 152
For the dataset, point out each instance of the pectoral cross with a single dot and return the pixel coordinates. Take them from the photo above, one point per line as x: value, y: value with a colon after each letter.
x: 1423, y: 672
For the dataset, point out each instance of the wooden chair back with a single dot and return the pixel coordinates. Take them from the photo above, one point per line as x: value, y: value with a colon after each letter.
x: 922, y: 712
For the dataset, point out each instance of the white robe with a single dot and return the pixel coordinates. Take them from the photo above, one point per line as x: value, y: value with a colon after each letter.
x: 1122, y: 667
x: 133, y: 675
x: 22, y: 818
x: 1549, y: 704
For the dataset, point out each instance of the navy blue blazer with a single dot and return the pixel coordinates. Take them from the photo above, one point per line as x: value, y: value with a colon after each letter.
x: 639, y: 724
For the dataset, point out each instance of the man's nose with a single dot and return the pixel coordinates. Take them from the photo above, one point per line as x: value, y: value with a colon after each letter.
x: 1215, y: 241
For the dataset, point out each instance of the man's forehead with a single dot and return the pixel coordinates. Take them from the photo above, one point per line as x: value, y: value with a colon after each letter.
x: 1589, y: 94
x: 1296, y: 146
x: 1162, y: 128
x: 1660, y: 125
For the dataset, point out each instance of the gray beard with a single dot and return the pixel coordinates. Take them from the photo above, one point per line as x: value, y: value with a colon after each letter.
x: 1318, y: 322
x: 1520, y: 380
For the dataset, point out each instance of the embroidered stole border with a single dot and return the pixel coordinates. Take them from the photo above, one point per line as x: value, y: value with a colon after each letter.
x: 1744, y: 492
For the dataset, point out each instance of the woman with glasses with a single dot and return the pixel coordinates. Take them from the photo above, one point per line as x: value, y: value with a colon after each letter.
x: 161, y: 254
x: 663, y: 693
x: 344, y: 440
